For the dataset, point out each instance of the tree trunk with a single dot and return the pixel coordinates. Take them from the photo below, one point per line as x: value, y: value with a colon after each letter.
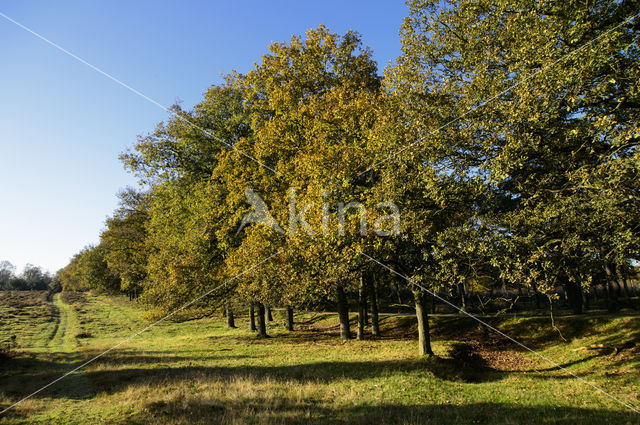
x: 574, y: 297
x: 268, y: 316
x: 424, y: 339
x: 627, y: 293
x: 433, y: 303
x: 585, y: 297
x: 362, y: 308
x: 375, y: 324
x: 289, y: 324
x: 252, y: 317
x: 536, y: 294
x: 365, y: 306
x: 397, y: 288
x: 463, y: 298
x: 618, y: 290
x: 343, y: 313
x: 262, y: 325
x: 229, y: 313
x: 612, y: 296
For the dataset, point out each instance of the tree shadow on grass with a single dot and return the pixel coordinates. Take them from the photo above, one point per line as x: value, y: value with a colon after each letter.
x: 23, y: 375
x: 193, y: 409
x: 114, y: 378
x: 293, y: 411
x: 185, y: 407
x: 309, y: 320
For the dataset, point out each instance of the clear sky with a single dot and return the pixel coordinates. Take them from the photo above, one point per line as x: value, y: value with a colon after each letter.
x: 62, y: 124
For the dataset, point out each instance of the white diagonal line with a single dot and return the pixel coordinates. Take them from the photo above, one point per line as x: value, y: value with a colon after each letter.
x: 142, y: 95
x: 542, y: 356
x: 491, y: 99
x: 141, y: 331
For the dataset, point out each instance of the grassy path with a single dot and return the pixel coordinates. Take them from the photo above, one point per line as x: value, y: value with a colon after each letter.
x: 61, y: 339
x: 63, y: 343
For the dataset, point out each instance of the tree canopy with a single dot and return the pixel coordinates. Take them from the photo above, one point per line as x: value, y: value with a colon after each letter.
x: 504, y: 139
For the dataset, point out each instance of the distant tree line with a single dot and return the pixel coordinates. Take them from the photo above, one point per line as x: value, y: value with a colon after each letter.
x: 32, y: 278
x: 506, y: 133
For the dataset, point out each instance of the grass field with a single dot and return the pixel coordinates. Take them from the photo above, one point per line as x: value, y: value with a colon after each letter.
x: 199, y: 372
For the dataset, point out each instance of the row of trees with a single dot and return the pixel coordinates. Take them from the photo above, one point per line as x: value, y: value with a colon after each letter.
x: 32, y: 278
x: 506, y: 134
x: 118, y: 263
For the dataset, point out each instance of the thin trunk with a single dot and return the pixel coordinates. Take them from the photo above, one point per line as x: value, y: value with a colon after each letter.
x: 375, y: 324
x: 536, y: 294
x: 574, y: 297
x: 433, y: 303
x: 627, y: 293
x: 618, y: 288
x: 343, y: 313
x: 463, y: 299
x: 397, y: 288
x: 362, y: 308
x: 268, y: 316
x: 252, y: 317
x: 585, y: 297
x: 612, y: 296
x: 262, y: 325
x: 366, y: 309
x: 424, y: 339
x: 289, y: 324
x: 229, y: 313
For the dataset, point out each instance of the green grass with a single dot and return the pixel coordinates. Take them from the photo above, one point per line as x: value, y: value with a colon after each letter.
x: 199, y: 372
x: 26, y: 319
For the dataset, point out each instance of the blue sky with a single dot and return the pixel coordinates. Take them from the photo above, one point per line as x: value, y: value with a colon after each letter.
x: 62, y: 124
